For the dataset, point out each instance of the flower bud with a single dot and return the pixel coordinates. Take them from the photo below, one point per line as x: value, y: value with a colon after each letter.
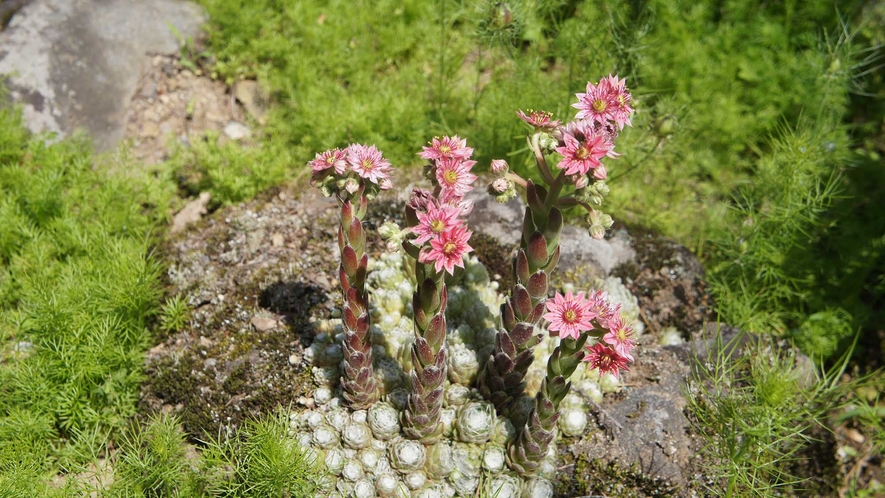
x: 389, y: 229
x: 500, y: 167
x: 500, y: 186
x: 665, y: 125
x: 383, y: 421
x: 547, y: 142
x: 597, y: 232
x: 385, y: 184
x: 580, y: 181
x: 351, y: 185
x: 475, y: 422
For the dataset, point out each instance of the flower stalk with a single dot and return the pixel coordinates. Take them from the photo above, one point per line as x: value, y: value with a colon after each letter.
x: 438, y: 241
x: 353, y: 176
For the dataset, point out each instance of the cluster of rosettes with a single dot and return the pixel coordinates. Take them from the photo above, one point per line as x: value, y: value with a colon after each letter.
x: 357, y: 165
x: 574, y: 314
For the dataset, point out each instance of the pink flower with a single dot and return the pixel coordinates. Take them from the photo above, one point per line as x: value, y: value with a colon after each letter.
x: 422, y: 200
x: 435, y: 221
x: 538, y: 119
x: 448, y: 250
x: 499, y: 166
x: 447, y: 147
x: 569, y: 315
x: 599, y: 104
x: 620, y: 336
x: 455, y: 179
x: 579, y: 157
x: 335, y: 158
x: 368, y: 163
x: 618, y: 89
x: 606, y: 359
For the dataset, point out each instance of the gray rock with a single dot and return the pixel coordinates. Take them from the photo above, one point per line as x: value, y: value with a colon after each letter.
x: 237, y: 131
x: 594, y: 258
x: 77, y: 63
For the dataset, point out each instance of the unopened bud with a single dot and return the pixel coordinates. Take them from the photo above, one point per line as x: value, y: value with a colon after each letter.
x: 666, y: 125
x: 547, y: 142
x: 500, y: 185
x: 606, y: 221
x: 385, y: 184
x: 466, y: 207
x: 600, y: 173
x: 581, y: 181
x: 351, y: 185
x: 388, y: 230
x: 499, y: 166
x: 597, y: 231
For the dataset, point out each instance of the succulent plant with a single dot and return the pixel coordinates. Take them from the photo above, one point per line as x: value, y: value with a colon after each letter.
x: 440, y: 460
x: 475, y: 422
x: 383, y: 420
x: 334, y: 461
x: 356, y: 435
x: 538, y: 488
x: 407, y: 455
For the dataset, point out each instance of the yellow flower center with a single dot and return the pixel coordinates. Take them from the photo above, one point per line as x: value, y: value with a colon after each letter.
x: 622, y: 335
x: 450, y: 247
x: 599, y: 105
x: 367, y: 164
x: 570, y: 316
x: 437, y: 226
x: 445, y: 149
x: 451, y: 176
x: 622, y: 100
x: 582, y: 153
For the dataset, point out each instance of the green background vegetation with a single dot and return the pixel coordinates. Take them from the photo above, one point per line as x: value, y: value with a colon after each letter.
x: 757, y: 143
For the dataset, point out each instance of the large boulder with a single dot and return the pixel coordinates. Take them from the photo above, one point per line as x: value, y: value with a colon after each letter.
x: 77, y: 63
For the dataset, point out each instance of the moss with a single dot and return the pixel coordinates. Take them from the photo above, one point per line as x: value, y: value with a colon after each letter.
x: 594, y: 477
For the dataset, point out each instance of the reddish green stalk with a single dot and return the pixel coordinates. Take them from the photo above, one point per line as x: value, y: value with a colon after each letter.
x: 358, y: 381
x: 502, y: 380
x: 526, y: 453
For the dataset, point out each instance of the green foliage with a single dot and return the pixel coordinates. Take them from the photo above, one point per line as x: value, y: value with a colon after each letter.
x: 760, y: 416
x: 230, y: 172
x: 261, y: 460
x: 77, y: 289
x: 173, y: 314
x: 152, y: 461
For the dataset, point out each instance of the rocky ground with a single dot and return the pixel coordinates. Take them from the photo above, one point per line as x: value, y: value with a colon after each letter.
x: 257, y: 275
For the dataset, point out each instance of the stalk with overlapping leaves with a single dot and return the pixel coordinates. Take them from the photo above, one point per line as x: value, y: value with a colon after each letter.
x: 353, y: 176
x: 437, y: 239
x: 580, y: 182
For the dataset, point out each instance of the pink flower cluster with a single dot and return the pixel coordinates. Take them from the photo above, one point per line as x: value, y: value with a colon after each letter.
x: 574, y: 314
x: 607, y: 101
x: 440, y: 216
x: 450, y: 157
x: 585, y: 143
x: 364, y: 160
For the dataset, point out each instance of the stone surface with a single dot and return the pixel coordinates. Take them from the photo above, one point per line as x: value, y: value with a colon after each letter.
x: 190, y: 213
x: 77, y: 63
x: 579, y: 252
